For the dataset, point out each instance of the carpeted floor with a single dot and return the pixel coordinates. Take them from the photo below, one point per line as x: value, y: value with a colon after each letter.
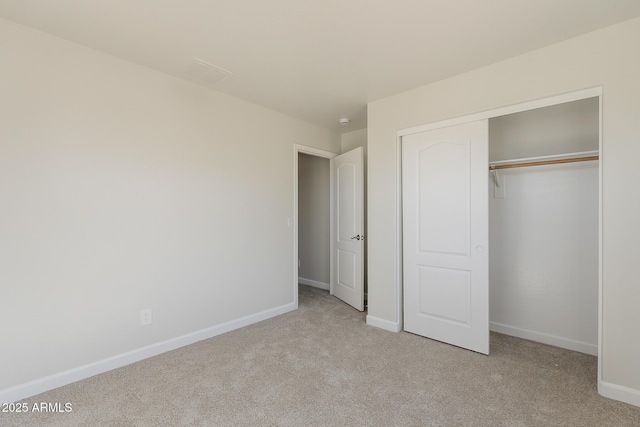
x: 323, y: 366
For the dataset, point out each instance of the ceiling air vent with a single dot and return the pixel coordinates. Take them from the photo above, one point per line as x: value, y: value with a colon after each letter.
x: 203, y: 72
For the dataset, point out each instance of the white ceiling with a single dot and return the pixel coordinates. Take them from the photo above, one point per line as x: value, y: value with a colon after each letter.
x: 319, y: 60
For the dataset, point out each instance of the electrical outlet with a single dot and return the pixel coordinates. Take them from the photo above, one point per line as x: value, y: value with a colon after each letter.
x: 145, y: 317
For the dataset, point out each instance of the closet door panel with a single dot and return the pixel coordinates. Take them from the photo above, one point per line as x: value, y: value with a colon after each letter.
x: 445, y: 234
x: 443, y: 210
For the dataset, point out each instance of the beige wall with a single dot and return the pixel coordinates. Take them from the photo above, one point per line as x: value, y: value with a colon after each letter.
x: 564, y: 128
x: 354, y: 139
x: 313, y: 219
x: 125, y: 189
x: 607, y: 57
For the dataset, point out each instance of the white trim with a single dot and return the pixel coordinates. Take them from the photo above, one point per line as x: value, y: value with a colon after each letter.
x: 60, y: 379
x: 618, y: 392
x: 600, y: 245
x: 313, y: 151
x: 503, y: 111
x: 543, y: 338
x: 399, y: 242
x: 383, y: 324
x: 332, y: 225
x: 314, y: 283
x: 297, y: 148
x: 497, y: 112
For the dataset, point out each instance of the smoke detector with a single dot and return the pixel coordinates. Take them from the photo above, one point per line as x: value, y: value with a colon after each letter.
x: 345, y: 121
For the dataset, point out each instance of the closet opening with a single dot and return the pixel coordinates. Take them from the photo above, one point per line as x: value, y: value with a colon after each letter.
x: 500, y: 223
x: 544, y: 216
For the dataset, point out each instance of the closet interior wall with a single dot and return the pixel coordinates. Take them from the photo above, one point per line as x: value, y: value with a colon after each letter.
x: 543, y: 227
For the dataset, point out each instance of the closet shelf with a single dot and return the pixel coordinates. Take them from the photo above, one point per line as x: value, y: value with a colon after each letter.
x: 583, y: 156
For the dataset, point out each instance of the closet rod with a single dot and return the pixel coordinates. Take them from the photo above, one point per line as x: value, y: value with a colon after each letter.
x: 544, y: 162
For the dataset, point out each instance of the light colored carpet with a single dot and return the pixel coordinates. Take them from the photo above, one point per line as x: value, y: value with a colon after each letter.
x: 323, y: 366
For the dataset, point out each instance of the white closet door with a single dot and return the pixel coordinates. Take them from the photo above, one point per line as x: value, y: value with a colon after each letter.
x: 445, y: 235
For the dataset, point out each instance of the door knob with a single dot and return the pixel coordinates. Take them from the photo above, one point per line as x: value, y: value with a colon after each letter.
x: 356, y: 237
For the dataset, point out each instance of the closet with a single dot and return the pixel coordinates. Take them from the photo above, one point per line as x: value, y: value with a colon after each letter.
x: 543, y: 224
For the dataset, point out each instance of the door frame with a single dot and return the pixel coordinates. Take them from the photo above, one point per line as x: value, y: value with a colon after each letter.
x: 497, y: 112
x: 298, y: 149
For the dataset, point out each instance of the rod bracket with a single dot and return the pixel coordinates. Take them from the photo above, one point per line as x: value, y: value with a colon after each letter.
x: 496, y: 176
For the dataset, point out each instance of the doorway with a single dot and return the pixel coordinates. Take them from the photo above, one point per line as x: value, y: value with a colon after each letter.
x: 346, y: 222
x: 316, y: 157
x: 314, y: 212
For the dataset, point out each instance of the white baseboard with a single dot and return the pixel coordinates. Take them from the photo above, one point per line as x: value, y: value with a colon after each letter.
x: 383, y: 324
x: 50, y: 382
x: 561, y: 342
x: 314, y: 283
x: 618, y: 392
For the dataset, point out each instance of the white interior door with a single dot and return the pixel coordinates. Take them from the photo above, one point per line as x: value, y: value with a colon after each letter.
x: 348, y: 238
x: 445, y: 235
